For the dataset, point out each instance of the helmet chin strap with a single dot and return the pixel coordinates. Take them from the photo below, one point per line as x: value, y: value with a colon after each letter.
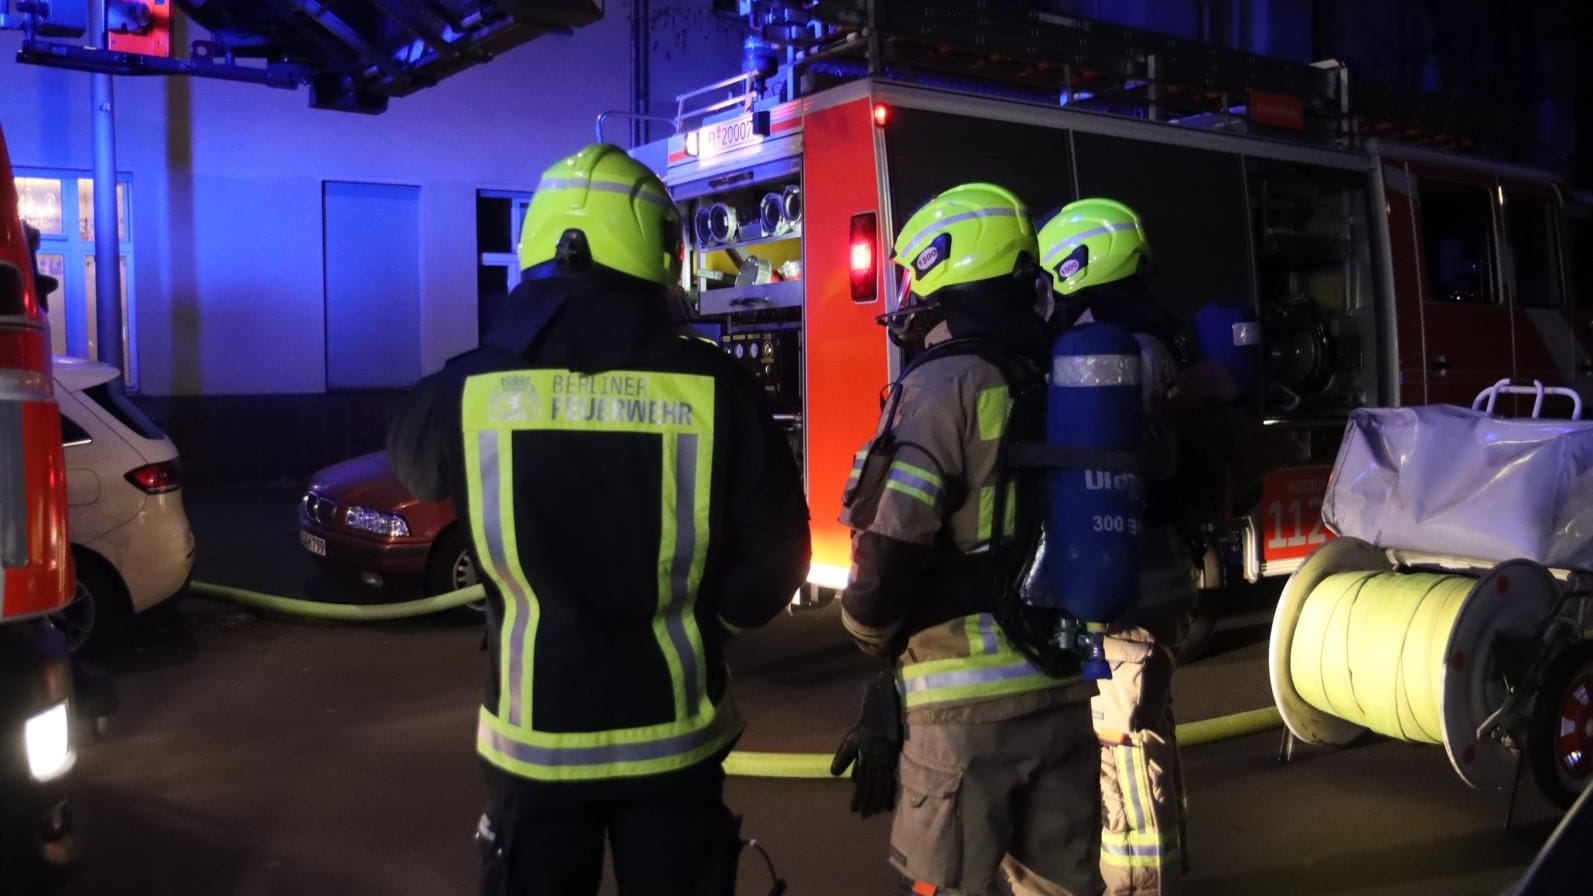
x: 908, y: 325
x: 1045, y: 304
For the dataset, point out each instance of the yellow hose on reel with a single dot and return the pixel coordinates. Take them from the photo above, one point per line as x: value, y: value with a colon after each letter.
x: 1369, y: 648
x: 1412, y: 655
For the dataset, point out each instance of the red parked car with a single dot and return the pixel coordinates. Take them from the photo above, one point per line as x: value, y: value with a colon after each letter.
x: 359, y: 519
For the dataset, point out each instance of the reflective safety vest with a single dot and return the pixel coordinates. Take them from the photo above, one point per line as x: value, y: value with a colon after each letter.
x: 989, y: 666
x: 673, y: 412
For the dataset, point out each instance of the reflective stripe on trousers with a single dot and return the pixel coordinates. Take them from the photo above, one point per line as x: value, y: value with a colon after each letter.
x: 1140, y: 834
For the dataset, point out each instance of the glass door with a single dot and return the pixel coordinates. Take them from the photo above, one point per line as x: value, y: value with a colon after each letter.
x: 61, y: 205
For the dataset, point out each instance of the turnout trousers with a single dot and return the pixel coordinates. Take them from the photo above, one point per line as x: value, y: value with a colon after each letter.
x: 1142, y: 793
x: 1014, y: 799
x: 671, y: 837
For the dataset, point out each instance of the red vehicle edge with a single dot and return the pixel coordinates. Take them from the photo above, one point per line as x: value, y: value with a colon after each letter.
x: 36, y: 754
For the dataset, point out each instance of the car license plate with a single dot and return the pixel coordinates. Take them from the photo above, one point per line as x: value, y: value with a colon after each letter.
x: 1291, y: 512
x: 315, y: 544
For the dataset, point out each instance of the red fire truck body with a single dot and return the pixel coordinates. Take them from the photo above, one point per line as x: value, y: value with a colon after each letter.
x: 1383, y: 274
x: 35, y: 574
x: 33, y: 543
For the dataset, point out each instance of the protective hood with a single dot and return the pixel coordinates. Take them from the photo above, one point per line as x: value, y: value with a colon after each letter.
x: 1130, y: 305
x: 999, y: 311
x: 583, y: 324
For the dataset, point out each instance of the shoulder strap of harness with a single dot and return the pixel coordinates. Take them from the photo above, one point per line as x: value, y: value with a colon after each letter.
x: 1029, y: 630
x: 885, y: 441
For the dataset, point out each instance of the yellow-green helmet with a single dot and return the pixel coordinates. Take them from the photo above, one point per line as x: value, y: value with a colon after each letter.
x: 621, y: 214
x: 1091, y: 242
x: 969, y: 233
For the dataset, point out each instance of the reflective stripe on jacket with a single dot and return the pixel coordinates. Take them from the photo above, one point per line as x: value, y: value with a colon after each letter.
x: 503, y: 416
x: 930, y: 479
x: 937, y: 476
x: 978, y: 663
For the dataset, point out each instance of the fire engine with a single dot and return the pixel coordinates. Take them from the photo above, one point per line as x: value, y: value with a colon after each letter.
x: 1385, y: 264
x: 35, y: 572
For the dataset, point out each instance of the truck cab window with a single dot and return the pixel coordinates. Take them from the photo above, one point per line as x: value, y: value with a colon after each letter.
x: 1457, y: 240
x: 1579, y: 251
x: 1534, y: 251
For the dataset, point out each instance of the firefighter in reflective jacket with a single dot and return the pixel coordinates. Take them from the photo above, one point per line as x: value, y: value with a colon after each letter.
x: 998, y: 769
x: 1096, y: 253
x: 631, y: 505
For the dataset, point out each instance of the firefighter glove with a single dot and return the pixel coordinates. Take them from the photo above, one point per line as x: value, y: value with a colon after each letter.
x: 872, y: 747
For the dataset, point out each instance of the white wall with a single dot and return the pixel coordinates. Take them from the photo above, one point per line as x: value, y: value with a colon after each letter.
x: 690, y: 48
x: 227, y: 183
x: 227, y: 193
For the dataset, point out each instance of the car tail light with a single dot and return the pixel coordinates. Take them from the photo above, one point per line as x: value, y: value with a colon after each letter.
x: 155, y: 479
x: 864, y: 256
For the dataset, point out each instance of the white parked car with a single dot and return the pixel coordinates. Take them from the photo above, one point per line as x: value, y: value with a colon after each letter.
x: 131, y: 543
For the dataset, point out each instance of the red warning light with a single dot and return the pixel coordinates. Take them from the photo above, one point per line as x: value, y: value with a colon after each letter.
x: 864, y: 269
x: 882, y: 114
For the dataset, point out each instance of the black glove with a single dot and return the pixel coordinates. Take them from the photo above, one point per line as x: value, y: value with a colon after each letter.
x: 872, y: 747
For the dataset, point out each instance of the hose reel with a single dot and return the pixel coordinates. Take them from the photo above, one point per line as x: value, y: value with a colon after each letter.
x: 1475, y: 661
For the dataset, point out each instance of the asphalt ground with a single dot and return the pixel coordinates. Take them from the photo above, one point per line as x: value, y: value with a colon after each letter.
x: 254, y: 755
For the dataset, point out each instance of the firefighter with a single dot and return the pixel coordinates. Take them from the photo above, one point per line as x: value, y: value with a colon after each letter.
x: 1096, y: 253
x: 631, y: 505
x: 999, y: 760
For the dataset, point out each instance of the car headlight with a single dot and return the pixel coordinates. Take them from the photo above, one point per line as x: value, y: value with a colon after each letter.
x: 48, y: 740
x: 389, y: 525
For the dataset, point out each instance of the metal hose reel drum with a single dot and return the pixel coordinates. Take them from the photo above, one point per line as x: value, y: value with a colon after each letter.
x: 1464, y: 654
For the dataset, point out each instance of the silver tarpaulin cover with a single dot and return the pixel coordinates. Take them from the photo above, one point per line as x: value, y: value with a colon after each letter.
x: 1447, y: 480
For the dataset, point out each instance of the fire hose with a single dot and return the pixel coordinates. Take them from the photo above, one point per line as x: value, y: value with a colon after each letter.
x: 1394, y: 630
x: 741, y: 763
x: 314, y: 609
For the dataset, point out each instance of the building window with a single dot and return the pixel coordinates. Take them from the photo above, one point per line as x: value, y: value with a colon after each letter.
x: 61, y: 205
x: 39, y: 200
x: 498, y: 217
x: 1457, y: 239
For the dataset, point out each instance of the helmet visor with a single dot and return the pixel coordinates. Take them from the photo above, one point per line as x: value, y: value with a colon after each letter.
x: 904, y: 287
x: 914, y: 316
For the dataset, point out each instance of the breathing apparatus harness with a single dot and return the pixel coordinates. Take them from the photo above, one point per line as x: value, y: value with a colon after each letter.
x: 997, y: 568
x: 1043, y: 633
